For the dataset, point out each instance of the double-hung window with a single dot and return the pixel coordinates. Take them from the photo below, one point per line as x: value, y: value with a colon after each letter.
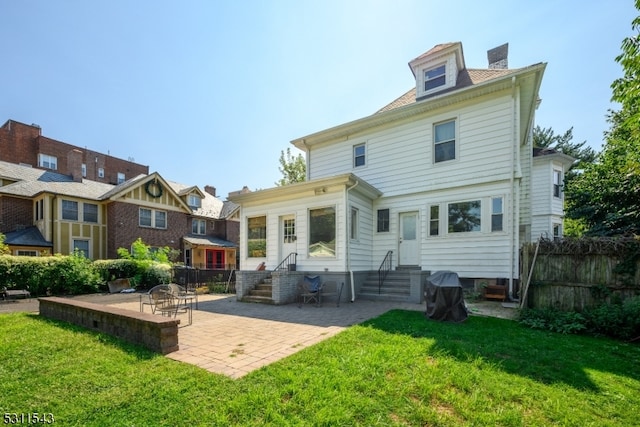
x: 359, y: 152
x: 496, y: 214
x: 557, y: 183
x: 69, y: 210
x: 444, y: 141
x: 198, y: 226
x: 434, y: 77
x: 152, y: 218
x: 47, y: 161
x: 383, y: 220
x: 89, y: 212
x: 434, y: 220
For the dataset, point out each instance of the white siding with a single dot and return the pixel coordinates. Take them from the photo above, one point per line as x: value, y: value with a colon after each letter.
x: 399, y: 160
x: 300, y: 209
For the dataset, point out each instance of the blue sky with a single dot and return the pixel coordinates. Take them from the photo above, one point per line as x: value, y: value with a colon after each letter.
x: 210, y: 92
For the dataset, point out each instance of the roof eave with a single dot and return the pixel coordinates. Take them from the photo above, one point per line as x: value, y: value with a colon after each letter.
x: 438, y: 101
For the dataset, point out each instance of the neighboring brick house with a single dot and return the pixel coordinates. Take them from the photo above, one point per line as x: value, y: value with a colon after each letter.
x: 24, y: 144
x: 43, y: 210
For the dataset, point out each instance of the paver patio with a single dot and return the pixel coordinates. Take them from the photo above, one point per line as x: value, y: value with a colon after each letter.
x: 234, y: 338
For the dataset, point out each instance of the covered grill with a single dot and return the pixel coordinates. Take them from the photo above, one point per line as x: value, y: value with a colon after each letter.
x: 443, y: 295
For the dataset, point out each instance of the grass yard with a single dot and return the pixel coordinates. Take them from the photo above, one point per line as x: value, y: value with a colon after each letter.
x: 398, y: 369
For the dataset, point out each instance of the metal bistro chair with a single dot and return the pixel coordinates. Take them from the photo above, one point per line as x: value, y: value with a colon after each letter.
x: 164, y: 301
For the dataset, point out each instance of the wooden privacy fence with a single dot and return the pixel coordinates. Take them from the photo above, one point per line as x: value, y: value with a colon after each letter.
x: 574, y: 274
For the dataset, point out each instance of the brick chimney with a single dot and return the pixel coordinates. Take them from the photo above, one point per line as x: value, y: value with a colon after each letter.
x: 210, y: 189
x: 74, y: 164
x: 498, y: 57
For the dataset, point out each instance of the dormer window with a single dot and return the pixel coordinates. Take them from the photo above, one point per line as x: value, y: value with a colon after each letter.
x: 194, y: 201
x: 434, y: 77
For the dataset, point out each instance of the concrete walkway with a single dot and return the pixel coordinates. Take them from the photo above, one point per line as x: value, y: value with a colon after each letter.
x: 234, y: 338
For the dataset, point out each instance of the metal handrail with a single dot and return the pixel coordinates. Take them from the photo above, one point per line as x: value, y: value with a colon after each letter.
x: 384, y: 269
x: 292, y: 258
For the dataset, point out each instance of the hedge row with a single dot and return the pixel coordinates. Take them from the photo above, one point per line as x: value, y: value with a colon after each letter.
x: 73, y: 275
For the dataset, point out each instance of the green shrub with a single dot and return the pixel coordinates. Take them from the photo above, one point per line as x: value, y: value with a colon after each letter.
x: 552, y: 319
x: 153, y: 273
x: 71, y: 274
x: 617, y: 319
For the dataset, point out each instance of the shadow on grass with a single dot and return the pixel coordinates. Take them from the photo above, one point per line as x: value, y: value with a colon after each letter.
x: 138, y: 351
x: 542, y: 356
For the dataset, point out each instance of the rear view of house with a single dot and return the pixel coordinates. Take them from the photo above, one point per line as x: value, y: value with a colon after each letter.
x: 443, y: 178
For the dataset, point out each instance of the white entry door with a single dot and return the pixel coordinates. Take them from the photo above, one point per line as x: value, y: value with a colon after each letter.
x: 409, y: 247
x: 288, y: 236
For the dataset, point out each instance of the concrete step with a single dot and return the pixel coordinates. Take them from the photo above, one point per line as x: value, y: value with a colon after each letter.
x: 257, y: 299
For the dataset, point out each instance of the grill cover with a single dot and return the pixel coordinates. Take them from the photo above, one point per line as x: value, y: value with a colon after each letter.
x: 444, y: 298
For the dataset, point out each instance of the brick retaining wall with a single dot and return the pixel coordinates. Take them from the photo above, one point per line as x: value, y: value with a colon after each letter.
x: 154, y: 332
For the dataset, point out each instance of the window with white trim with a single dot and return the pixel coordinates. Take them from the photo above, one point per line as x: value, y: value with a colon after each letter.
x: 496, y: 214
x: 198, y: 226
x: 194, y: 201
x: 257, y: 237
x: 557, y: 183
x: 81, y: 246
x: 322, y: 232
x: 152, y: 218
x: 39, y: 205
x: 89, y: 212
x: 359, y: 152
x: 47, y: 161
x: 434, y: 220
x: 557, y: 231
x: 464, y: 216
x: 353, y: 232
x: 434, y: 77
x: 444, y: 141
x: 383, y: 220
x: 24, y: 252
x: 69, y: 210
x: 121, y: 178
x: 100, y: 172
x: 84, y: 170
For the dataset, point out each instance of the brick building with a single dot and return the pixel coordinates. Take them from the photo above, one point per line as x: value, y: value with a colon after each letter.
x: 25, y: 144
x: 50, y: 203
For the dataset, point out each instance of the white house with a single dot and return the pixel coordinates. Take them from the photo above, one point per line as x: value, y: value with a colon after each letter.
x: 443, y: 178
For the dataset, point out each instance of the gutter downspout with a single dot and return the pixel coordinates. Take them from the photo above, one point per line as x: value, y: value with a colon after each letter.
x: 512, y: 184
x: 348, y: 243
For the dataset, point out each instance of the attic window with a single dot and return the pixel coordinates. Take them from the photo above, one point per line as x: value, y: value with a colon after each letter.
x: 434, y: 77
x: 194, y: 201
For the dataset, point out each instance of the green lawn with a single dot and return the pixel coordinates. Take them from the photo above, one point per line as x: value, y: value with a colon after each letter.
x: 397, y: 369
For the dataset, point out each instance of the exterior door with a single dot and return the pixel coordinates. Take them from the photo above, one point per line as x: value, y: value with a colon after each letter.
x: 409, y: 246
x: 214, y: 259
x: 288, y: 236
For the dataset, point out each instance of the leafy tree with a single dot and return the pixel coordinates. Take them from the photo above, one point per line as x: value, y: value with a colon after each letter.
x: 293, y: 168
x: 4, y: 248
x: 607, y: 195
x: 140, y: 251
x: 546, y: 138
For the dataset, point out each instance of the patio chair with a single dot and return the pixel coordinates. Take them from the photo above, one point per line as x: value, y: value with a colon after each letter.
x: 164, y: 301
x: 309, y: 290
x: 331, y: 289
x: 184, y: 295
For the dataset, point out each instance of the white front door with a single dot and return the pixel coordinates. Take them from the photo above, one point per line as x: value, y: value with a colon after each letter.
x: 287, y: 236
x: 409, y: 247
